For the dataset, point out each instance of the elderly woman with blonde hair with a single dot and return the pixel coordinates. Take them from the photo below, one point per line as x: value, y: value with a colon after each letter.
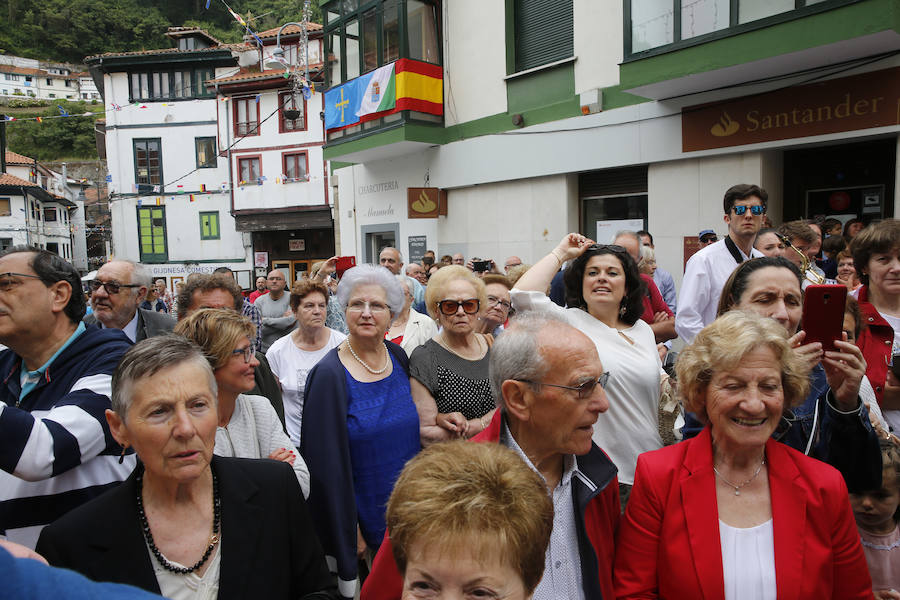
x: 248, y: 426
x: 467, y: 516
x: 449, y: 372
x: 732, y: 513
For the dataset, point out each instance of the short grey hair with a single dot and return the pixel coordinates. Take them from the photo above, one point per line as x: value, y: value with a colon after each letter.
x: 399, y: 254
x: 629, y: 233
x: 148, y: 357
x: 516, y: 353
x: 407, y: 281
x: 371, y: 275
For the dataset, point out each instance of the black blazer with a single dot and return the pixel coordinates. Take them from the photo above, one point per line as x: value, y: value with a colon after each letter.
x: 269, y: 545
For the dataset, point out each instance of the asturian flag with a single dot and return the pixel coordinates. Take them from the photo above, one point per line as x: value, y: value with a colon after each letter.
x: 380, y: 91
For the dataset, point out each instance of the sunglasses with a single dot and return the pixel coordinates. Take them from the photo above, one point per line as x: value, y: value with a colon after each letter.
x: 754, y: 210
x: 613, y: 247
x: 451, y: 307
x: 112, y: 287
x: 583, y: 391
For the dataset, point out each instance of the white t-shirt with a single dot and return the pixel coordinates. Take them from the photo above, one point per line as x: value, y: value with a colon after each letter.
x: 291, y: 365
x: 631, y: 425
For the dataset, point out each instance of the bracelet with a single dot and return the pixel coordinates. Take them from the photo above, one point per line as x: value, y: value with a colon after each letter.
x: 556, y: 256
x: 483, y: 424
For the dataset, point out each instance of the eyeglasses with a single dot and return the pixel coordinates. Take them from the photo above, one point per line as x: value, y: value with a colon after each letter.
x: 450, y: 307
x: 584, y: 391
x: 709, y: 239
x: 494, y: 301
x: 754, y: 210
x: 359, y: 306
x: 7, y: 282
x: 112, y: 287
x: 248, y: 353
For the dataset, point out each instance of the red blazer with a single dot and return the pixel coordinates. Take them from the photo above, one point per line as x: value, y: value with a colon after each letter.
x: 875, y: 342
x: 668, y: 543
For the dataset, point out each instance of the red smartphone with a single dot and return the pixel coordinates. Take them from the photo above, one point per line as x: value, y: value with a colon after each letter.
x: 823, y: 314
x: 344, y: 263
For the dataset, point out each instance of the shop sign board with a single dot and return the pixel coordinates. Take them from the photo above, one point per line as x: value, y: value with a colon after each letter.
x: 850, y: 103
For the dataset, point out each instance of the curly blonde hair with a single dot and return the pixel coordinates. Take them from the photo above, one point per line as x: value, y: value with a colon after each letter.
x: 469, y: 499
x: 723, y: 344
x: 437, y: 285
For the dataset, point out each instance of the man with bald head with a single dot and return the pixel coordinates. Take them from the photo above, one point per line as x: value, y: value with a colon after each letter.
x: 116, y: 295
x: 416, y: 271
x: 548, y: 381
x: 391, y: 259
x: 459, y: 259
x: 275, y: 310
x: 657, y: 313
x: 511, y: 261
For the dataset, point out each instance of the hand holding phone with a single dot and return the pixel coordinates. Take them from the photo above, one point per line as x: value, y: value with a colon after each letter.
x: 823, y: 314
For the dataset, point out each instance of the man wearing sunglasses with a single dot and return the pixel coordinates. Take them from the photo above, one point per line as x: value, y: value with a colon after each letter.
x: 56, y: 451
x: 548, y: 382
x: 708, y: 270
x: 116, y: 295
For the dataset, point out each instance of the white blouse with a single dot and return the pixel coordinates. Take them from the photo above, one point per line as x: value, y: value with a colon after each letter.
x: 631, y: 425
x: 189, y: 586
x: 748, y: 561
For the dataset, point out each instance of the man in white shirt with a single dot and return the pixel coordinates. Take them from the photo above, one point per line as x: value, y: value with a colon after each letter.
x: 709, y: 269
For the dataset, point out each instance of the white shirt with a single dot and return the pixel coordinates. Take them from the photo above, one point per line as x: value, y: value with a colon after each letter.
x: 291, y: 365
x: 631, y: 425
x: 705, y: 275
x: 130, y: 329
x: 189, y: 586
x: 748, y: 561
x: 562, y: 563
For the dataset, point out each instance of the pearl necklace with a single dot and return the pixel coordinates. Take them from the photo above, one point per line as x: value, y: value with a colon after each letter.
x: 387, y: 361
x: 148, y: 536
x: 737, y: 488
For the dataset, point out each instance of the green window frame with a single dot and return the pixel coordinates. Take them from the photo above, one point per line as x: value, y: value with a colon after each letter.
x: 152, y: 234
x: 654, y: 27
x: 543, y: 32
x: 363, y: 35
x: 209, y: 225
x: 205, y: 152
x: 148, y: 164
x: 184, y: 83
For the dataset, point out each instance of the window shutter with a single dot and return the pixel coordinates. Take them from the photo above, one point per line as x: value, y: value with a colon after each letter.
x: 544, y: 32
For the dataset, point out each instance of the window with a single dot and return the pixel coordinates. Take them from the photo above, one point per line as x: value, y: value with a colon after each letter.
x: 537, y: 44
x: 10, y: 77
x: 5, y: 243
x: 53, y: 247
x: 5, y: 210
x: 148, y: 162
x: 68, y: 83
x: 209, y: 225
x: 49, y: 81
x: 206, y: 152
x: 246, y: 116
x: 249, y: 169
x: 170, y: 85
x: 652, y: 24
x: 152, y: 233
x: 295, y: 166
x: 52, y: 95
x: 362, y: 38
x: 49, y: 214
x: 35, y: 211
x: 291, y: 102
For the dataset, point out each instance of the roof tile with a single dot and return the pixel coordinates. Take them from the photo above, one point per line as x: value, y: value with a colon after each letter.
x: 7, y: 179
x: 14, y: 158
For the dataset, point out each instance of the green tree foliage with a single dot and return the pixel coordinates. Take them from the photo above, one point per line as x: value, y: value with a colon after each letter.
x: 69, y: 30
x: 54, y: 138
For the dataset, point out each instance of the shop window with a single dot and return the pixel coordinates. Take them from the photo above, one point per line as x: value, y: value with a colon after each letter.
x: 148, y: 161
x: 152, y: 233
x: 538, y: 44
x: 205, y: 149
x: 209, y: 225
x: 246, y: 116
x: 295, y: 166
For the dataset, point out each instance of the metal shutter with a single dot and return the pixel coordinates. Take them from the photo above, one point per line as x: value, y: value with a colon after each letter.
x: 613, y: 182
x: 544, y: 32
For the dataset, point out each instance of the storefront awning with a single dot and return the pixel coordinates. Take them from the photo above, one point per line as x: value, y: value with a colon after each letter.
x: 318, y: 217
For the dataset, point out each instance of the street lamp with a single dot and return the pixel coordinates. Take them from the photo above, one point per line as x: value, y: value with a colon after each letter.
x: 277, y: 59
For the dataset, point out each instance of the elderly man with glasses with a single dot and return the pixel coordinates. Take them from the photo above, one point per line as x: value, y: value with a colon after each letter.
x: 116, y: 295
x: 548, y: 382
x: 56, y: 451
x: 708, y: 270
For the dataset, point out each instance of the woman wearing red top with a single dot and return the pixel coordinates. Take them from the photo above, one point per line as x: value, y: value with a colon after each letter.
x: 876, y: 255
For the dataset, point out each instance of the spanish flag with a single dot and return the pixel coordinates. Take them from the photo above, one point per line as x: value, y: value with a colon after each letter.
x: 420, y: 86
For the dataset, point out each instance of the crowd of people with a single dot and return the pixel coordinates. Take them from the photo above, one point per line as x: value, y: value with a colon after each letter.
x: 452, y: 428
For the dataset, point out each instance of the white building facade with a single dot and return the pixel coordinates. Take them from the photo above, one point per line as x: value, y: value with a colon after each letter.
x: 613, y: 117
